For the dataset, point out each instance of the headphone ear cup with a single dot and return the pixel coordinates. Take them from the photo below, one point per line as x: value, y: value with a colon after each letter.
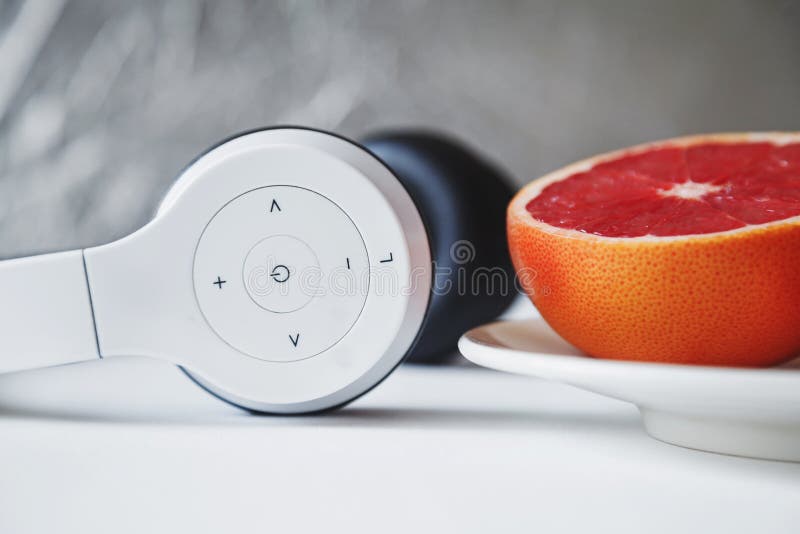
x: 462, y: 199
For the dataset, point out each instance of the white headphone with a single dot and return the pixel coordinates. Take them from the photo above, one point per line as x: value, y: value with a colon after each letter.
x: 286, y: 271
x: 191, y: 287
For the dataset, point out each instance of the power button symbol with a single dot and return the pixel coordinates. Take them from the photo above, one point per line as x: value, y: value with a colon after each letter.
x: 280, y: 273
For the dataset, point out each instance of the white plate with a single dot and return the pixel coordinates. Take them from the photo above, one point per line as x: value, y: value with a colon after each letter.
x: 746, y: 412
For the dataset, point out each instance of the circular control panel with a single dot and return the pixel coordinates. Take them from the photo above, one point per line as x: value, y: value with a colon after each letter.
x: 281, y: 273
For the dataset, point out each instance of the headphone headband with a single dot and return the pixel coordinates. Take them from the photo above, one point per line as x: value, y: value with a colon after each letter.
x: 45, y: 312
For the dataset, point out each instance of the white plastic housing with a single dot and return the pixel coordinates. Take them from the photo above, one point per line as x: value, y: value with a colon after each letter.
x: 145, y: 292
x: 45, y: 312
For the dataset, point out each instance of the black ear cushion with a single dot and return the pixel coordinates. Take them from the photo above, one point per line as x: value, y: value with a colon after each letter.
x: 462, y: 199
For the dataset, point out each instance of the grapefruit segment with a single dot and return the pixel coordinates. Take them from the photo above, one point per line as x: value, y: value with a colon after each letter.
x: 663, y: 164
x: 714, y: 162
x: 683, y: 251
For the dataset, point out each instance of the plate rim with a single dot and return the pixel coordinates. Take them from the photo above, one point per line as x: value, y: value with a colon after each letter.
x: 502, y: 353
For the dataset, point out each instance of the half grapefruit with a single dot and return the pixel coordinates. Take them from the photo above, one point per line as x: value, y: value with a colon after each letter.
x: 680, y: 251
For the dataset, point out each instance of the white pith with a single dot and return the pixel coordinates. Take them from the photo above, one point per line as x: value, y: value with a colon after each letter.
x: 516, y: 209
x: 689, y: 190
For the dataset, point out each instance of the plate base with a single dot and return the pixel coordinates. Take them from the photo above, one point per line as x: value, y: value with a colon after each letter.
x: 743, y: 412
x: 776, y: 440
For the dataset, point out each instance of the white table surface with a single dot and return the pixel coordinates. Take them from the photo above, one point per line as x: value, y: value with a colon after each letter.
x: 133, y: 446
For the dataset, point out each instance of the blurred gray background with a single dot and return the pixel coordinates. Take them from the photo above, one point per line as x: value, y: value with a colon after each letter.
x: 102, y: 102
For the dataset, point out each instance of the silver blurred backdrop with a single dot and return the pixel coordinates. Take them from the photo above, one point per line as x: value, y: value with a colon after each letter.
x: 102, y: 102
